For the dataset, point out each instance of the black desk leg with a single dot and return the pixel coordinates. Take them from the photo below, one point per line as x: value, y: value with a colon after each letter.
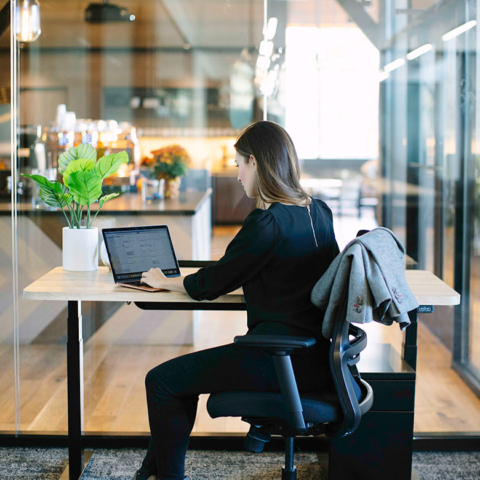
x: 75, y: 389
x: 410, y: 341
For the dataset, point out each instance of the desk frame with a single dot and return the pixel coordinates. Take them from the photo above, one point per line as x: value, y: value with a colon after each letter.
x: 75, y: 392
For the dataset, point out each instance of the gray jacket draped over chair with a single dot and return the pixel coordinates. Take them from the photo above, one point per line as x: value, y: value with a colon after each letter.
x: 373, y: 268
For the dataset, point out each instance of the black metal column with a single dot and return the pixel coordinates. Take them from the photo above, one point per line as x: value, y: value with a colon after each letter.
x: 409, y: 345
x: 462, y: 253
x: 413, y: 227
x: 75, y: 389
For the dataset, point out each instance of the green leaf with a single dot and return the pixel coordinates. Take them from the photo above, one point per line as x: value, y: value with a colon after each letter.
x: 81, y: 165
x: 66, y: 197
x: 110, y: 163
x: 42, y: 181
x: 106, y: 198
x: 55, y: 198
x: 170, y: 170
x: 86, y: 187
x: 53, y: 194
x: 85, y: 151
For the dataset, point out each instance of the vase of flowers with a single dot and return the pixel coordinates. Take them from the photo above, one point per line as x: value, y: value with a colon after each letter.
x: 169, y: 163
x: 172, y: 187
x: 82, y: 186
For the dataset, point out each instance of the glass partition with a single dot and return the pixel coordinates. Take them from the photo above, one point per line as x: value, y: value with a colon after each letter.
x: 9, y: 414
x: 174, y: 77
x: 428, y: 69
x: 380, y: 100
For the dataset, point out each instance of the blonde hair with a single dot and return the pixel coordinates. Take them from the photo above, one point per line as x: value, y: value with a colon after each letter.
x: 278, y: 171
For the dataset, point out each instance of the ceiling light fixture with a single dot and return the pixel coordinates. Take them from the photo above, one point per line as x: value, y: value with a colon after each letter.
x: 390, y: 67
x: 459, y: 30
x: 382, y: 76
x: 271, y: 28
x: 419, y: 51
x: 266, y: 48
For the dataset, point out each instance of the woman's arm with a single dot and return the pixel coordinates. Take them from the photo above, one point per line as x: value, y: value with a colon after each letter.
x: 155, y: 278
x: 246, y: 255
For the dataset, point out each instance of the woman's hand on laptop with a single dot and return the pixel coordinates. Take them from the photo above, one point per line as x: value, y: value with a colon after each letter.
x: 156, y: 279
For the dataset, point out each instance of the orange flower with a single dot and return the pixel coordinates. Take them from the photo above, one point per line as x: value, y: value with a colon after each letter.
x: 147, y: 161
x: 172, y: 154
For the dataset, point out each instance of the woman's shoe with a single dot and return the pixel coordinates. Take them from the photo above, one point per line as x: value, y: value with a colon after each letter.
x: 141, y: 476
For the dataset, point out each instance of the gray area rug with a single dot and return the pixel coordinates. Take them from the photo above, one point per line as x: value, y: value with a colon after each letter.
x: 32, y: 463
x: 120, y: 464
x: 206, y: 465
x: 447, y: 465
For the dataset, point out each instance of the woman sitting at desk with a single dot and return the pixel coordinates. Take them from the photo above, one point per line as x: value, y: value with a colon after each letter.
x: 283, y: 248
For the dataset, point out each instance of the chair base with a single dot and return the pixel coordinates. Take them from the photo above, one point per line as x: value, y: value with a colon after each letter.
x: 289, y: 474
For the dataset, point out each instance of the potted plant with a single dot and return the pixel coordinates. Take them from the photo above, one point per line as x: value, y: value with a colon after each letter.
x: 169, y: 163
x: 82, y: 186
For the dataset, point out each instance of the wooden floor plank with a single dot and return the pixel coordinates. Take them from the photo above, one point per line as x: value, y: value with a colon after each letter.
x: 53, y: 378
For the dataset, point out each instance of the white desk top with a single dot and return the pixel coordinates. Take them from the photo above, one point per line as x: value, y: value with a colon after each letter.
x: 429, y: 289
x: 99, y: 286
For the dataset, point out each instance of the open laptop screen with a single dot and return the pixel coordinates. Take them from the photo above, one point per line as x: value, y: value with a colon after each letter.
x: 133, y: 250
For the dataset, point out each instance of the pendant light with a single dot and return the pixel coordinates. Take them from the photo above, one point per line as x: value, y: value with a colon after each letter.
x: 28, y: 20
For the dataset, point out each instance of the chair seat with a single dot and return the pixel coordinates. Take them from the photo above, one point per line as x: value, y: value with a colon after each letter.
x: 318, y: 407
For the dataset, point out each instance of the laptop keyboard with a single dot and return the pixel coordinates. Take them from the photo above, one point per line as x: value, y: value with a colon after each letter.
x: 137, y: 284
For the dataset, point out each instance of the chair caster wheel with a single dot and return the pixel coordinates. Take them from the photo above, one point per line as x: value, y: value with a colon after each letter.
x: 256, y: 439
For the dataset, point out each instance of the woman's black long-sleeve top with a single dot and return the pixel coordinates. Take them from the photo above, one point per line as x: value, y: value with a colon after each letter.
x: 277, y: 257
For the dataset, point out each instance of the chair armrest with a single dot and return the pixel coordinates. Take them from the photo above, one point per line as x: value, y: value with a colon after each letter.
x: 274, y: 342
x: 280, y: 346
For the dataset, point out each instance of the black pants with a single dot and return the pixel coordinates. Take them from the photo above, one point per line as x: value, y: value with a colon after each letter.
x: 174, y: 386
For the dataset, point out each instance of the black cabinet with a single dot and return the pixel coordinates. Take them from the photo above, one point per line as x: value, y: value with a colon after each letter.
x: 230, y: 205
x: 381, y: 447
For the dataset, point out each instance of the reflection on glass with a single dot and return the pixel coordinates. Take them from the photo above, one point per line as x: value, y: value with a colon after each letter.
x: 181, y: 74
x: 382, y: 140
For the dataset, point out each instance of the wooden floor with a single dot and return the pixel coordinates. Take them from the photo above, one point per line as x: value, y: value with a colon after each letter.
x: 114, y: 379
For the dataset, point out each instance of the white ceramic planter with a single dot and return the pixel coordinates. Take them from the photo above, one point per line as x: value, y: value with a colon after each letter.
x: 104, y: 255
x: 80, y: 249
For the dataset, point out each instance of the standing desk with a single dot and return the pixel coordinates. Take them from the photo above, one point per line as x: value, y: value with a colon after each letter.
x: 98, y: 286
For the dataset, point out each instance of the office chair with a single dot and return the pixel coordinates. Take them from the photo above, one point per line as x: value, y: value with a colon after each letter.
x: 333, y: 411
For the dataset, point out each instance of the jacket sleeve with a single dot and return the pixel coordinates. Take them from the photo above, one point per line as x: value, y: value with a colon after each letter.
x: 246, y: 255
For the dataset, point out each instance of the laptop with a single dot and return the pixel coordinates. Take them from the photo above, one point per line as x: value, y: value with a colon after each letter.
x: 134, y: 250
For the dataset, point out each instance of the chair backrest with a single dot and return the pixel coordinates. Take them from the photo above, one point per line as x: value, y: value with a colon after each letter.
x: 348, y: 341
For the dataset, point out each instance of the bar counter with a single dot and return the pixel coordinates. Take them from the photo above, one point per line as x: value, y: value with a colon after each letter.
x: 188, y: 203
x: 39, y: 233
